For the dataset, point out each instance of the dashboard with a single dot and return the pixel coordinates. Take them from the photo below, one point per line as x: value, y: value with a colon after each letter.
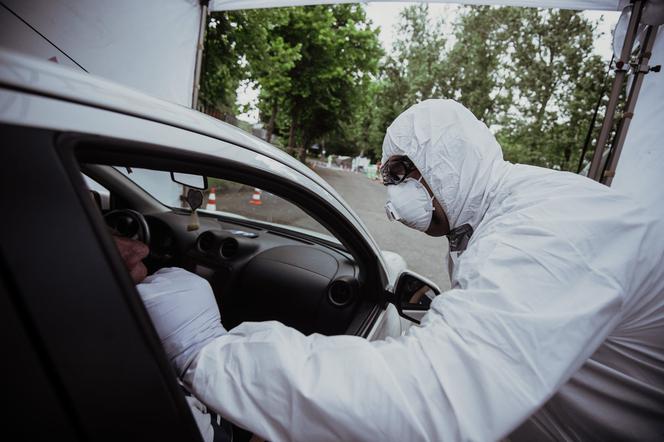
x: 261, y: 273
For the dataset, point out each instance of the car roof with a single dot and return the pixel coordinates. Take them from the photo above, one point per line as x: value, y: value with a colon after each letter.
x: 29, y: 74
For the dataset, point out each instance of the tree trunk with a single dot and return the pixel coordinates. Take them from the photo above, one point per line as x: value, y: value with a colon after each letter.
x: 548, y: 93
x: 302, y: 151
x: 291, y: 136
x: 270, y: 124
x: 567, y: 156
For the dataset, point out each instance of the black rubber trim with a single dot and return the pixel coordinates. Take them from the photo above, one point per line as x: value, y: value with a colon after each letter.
x: 365, y: 317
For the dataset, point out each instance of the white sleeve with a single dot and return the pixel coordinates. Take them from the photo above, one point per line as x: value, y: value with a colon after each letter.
x: 168, y: 280
x: 486, y: 356
x: 282, y: 385
x: 184, y: 312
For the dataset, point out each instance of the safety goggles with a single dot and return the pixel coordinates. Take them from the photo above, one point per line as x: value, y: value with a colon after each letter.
x: 396, y: 169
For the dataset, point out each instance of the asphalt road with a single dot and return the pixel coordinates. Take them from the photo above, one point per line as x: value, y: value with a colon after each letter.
x: 424, y: 254
x: 267, y: 207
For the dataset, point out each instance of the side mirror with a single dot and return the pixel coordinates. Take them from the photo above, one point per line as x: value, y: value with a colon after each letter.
x: 189, y: 180
x: 413, y: 295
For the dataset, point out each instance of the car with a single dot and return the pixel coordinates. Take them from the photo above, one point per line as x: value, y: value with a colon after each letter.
x: 82, y: 156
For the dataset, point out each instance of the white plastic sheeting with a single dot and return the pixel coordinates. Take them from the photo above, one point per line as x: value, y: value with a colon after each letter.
x: 640, y: 169
x: 607, y: 5
x: 148, y: 45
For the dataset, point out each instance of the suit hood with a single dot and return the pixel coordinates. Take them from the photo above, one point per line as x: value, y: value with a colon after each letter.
x: 456, y: 154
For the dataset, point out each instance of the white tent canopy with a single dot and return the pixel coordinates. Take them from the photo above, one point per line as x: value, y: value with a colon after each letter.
x: 149, y: 45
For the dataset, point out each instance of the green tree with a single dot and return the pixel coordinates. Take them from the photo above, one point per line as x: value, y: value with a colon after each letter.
x: 313, y: 66
x: 418, y: 54
x: 555, y: 81
x: 220, y: 71
x: 527, y: 73
x: 270, y: 60
x: 475, y: 73
x: 338, y: 52
x: 411, y: 73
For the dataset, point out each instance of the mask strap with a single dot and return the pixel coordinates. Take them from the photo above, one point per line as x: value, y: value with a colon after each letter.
x: 433, y: 208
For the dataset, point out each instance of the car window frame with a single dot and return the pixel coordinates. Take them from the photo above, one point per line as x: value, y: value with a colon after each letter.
x: 327, y: 238
x: 77, y: 148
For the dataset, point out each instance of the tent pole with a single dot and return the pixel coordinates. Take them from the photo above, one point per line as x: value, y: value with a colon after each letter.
x: 199, y: 53
x: 589, y: 135
x: 641, y: 69
x: 622, y: 67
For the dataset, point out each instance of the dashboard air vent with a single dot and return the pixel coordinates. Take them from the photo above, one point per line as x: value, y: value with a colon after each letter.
x: 206, y: 242
x: 341, y: 292
x: 229, y: 247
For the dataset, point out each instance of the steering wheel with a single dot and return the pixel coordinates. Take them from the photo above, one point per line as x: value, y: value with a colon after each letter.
x: 129, y: 223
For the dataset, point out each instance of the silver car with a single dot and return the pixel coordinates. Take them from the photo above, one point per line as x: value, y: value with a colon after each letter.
x: 275, y: 241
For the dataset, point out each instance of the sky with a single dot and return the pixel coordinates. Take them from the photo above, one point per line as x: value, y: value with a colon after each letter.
x: 386, y: 15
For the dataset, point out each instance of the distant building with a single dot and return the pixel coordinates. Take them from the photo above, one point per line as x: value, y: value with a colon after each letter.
x: 360, y: 164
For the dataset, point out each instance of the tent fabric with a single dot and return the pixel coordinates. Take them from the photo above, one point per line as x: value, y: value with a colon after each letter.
x: 148, y: 45
x: 639, y: 171
x: 604, y: 5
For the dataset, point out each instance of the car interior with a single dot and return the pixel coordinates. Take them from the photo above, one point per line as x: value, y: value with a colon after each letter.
x: 258, y: 272
x: 277, y: 260
x: 258, y: 269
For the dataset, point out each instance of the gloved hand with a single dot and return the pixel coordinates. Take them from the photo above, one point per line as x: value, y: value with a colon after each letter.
x: 184, y: 313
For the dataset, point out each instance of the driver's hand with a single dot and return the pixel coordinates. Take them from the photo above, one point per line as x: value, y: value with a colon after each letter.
x: 133, y: 252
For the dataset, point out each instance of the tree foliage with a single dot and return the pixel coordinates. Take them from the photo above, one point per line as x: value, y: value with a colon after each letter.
x: 313, y: 66
x: 221, y: 70
x: 528, y: 73
x: 555, y: 81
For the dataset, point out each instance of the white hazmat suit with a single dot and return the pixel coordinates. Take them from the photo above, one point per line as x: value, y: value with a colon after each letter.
x: 556, y: 311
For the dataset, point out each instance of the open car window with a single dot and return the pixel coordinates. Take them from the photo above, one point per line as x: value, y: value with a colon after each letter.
x: 226, y: 197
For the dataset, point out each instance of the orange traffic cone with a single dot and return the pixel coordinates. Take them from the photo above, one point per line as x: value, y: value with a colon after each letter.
x: 256, y: 198
x: 212, y: 200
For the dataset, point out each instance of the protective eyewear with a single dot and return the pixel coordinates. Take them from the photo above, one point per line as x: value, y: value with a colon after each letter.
x: 394, y: 171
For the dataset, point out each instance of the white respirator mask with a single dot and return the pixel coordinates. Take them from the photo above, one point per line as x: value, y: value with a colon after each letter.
x: 410, y: 204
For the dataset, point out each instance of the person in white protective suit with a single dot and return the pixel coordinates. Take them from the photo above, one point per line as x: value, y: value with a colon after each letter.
x: 553, y: 328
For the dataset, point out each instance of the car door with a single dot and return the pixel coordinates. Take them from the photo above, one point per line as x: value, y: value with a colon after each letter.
x: 87, y: 363
x: 67, y: 288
